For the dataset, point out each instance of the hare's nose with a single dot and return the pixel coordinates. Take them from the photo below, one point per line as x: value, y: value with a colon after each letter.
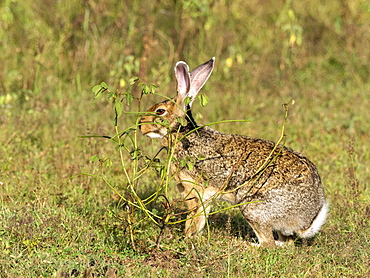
x: 142, y: 121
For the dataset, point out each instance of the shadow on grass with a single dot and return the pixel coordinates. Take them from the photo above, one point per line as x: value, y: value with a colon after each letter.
x: 230, y: 223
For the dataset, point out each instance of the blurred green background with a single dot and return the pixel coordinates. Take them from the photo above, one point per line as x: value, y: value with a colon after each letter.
x: 52, y: 53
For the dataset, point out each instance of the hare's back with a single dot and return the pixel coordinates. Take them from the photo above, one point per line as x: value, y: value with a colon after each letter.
x: 235, y: 160
x: 273, y: 165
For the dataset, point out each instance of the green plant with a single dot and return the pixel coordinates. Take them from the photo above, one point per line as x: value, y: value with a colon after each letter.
x: 135, y: 164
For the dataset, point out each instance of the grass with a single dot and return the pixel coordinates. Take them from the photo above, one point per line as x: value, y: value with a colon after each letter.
x: 55, y: 222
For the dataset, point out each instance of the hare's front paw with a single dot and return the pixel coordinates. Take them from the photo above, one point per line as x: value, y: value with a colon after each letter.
x: 194, y: 226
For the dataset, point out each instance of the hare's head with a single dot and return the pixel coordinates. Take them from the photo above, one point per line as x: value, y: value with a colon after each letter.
x: 166, y: 116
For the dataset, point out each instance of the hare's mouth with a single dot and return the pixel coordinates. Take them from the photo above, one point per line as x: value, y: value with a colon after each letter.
x: 154, y: 135
x: 152, y: 131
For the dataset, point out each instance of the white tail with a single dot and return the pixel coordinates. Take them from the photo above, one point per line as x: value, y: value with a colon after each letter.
x: 317, y: 223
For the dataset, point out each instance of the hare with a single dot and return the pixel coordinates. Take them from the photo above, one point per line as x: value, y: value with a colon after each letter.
x: 276, y: 188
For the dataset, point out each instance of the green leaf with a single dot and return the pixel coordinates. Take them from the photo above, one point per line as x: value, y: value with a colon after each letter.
x: 182, y: 121
x: 158, y: 120
x: 99, y: 89
x: 187, y: 101
x: 133, y: 80
x: 94, y: 158
x: 112, y: 96
x: 201, y: 156
x: 183, y: 163
x: 203, y: 100
x: 153, y: 88
x: 145, y: 89
x: 129, y: 98
x: 98, y: 95
x: 189, y: 162
x: 108, y: 163
x: 104, y: 85
x: 118, y: 107
x: 96, y: 89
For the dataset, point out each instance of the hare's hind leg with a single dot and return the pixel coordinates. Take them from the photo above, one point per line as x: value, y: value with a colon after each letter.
x: 282, y: 239
x: 263, y: 233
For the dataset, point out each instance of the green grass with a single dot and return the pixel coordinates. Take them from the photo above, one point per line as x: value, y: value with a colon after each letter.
x: 55, y: 222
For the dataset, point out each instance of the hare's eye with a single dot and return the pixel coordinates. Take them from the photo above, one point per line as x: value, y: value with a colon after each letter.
x: 160, y: 111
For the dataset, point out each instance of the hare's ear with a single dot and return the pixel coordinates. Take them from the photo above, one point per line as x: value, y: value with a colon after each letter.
x: 183, y: 81
x: 198, y: 78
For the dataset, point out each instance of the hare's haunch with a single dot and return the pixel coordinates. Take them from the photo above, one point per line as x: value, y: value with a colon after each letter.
x: 277, y: 188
